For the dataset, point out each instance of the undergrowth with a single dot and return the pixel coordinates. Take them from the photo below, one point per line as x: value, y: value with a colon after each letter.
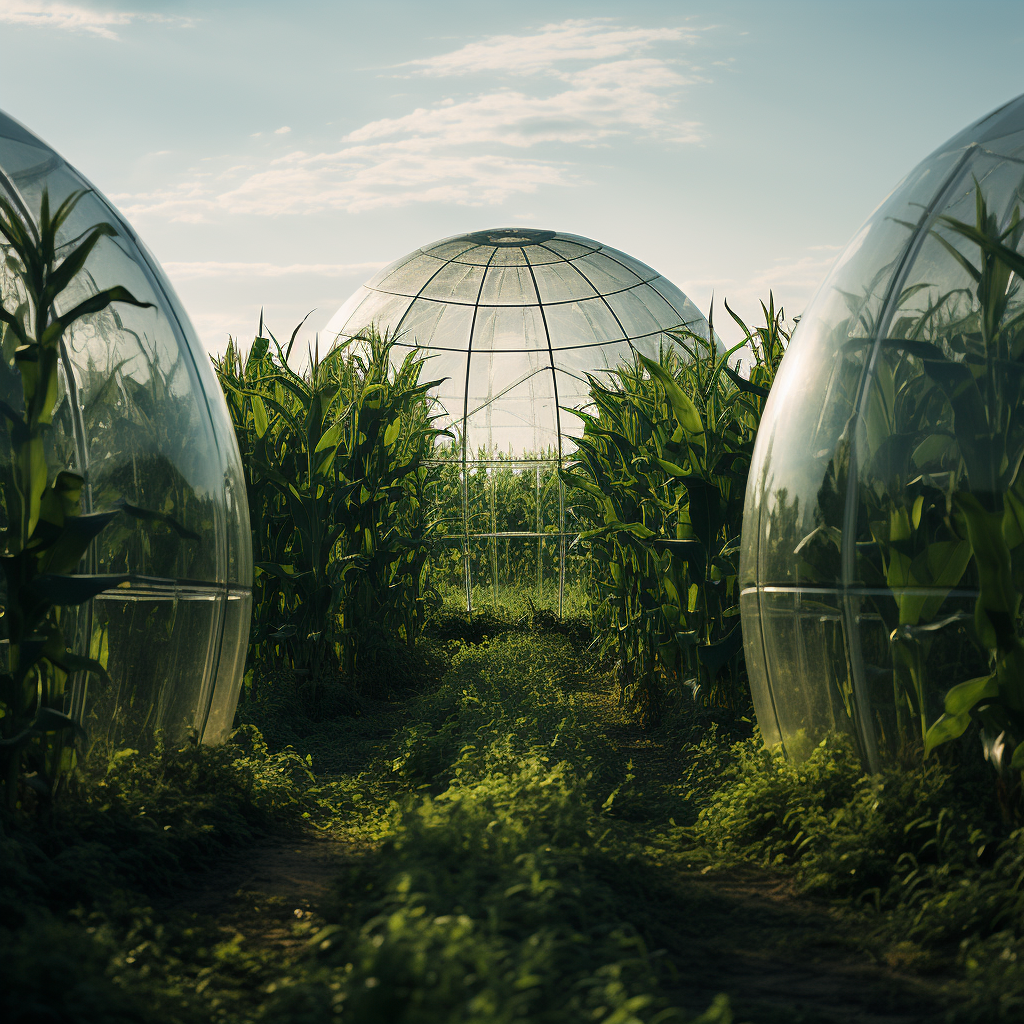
x: 516, y: 867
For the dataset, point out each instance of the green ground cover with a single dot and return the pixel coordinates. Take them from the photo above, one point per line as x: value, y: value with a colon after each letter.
x: 517, y: 850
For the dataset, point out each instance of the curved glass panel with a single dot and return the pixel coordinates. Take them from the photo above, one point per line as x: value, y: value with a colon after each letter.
x: 142, y: 418
x: 513, y: 319
x: 856, y: 572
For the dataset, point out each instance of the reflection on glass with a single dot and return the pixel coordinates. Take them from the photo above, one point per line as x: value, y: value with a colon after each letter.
x: 140, y: 415
x: 902, y: 392
x: 513, y: 319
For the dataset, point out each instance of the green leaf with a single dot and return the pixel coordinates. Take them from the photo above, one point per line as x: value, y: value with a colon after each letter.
x: 965, y: 695
x: 331, y: 437
x: 259, y: 415
x: 682, y: 406
x: 76, y: 534
x: 945, y: 729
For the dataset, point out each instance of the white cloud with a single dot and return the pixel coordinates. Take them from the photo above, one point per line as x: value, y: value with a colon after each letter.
x: 467, y: 151
x: 595, y: 39
x: 283, y: 130
x: 356, y: 179
x: 74, y: 17
x: 599, y: 101
x: 211, y: 268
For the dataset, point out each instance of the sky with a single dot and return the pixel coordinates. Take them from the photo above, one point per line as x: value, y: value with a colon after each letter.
x: 274, y: 156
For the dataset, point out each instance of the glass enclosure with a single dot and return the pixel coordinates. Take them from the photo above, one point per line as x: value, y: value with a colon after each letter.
x: 900, y: 400
x: 140, y: 415
x: 511, y: 320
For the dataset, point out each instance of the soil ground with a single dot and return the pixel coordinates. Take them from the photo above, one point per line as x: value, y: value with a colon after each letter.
x: 779, y: 955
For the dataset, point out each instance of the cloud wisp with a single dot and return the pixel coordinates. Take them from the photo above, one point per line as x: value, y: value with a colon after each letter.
x: 474, y: 150
x: 595, y: 39
x: 75, y: 17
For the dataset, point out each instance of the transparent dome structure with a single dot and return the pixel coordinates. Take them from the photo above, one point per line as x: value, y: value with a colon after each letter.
x: 512, y: 320
x: 897, y: 413
x: 140, y: 415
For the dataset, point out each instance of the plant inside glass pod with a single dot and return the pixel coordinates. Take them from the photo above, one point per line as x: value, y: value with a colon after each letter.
x: 939, y: 443
x: 984, y: 390
x: 46, y: 534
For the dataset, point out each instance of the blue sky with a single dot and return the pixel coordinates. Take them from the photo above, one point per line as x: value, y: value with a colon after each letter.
x: 276, y: 155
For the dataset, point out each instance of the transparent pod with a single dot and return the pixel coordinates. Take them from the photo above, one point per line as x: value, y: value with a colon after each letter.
x: 857, y: 585
x: 511, y: 321
x: 141, y: 416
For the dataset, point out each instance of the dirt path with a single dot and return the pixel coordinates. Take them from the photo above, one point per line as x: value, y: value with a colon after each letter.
x: 779, y: 955
x: 271, y: 892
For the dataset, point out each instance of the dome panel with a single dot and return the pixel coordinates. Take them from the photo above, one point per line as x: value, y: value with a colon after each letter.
x: 140, y: 415
x: 375, y: 307
x: 509, y: 256
x: 430, y: 323
x: 641, y: 311
x: 644, y: 272
x: 392, y: 273
x: 509, y: 329
x: 479, y: 255
x: 583, y: 323
x: 569, y: 249
x: 561, y: 282
x: 455, y: 282
x: 448, y: 248
x: 508, y: 286
x: 857, y: 571
x: 542, y: 318
x: 605, y: 274
x: 691, y: 317
x: 541, y: 255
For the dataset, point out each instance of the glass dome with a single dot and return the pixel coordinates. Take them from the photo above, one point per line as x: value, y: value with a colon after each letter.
x: 513, y: 319
x: 141, y: 417
x: 899, y: 403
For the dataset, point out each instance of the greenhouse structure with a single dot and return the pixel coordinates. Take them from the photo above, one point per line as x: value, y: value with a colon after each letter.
x: 511, y: 321
x: 889, y: 454
x: 141, y: 417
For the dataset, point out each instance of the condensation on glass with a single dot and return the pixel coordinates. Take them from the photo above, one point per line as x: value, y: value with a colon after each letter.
x: 857, y: 587
x: 512, y: 320
x: 141, y: 417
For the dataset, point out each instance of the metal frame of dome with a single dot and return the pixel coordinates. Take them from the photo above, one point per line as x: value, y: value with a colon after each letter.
x: 539, y: 309
x: 853, y: 597
x: 141, y: 416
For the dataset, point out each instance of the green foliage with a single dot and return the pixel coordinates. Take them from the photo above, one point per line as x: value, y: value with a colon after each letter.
x: 662, y: 469
x: 986, y: 397
x: 493, y: 898
x: 46, y: 533
x: 335, y: 476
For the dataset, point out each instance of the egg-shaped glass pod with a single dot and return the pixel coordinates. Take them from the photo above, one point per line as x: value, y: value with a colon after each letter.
x: 141, y: 417
x: 893, y: 434
x: 512, y: 320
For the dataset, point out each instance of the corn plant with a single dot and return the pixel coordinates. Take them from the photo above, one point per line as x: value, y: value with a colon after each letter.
x: 664, y: 459
x: 46, y: 533
x: 984, y: 435
x: 334, y: 467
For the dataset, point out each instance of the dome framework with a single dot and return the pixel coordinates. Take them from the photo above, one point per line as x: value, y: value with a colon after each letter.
x: 898, y: 412
x: 512, y: 320
x: 141, y: 417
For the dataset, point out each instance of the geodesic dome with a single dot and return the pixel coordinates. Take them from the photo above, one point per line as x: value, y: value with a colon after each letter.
x: 899, y: 403
x: 513, y: 319
x: 141, y: 416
